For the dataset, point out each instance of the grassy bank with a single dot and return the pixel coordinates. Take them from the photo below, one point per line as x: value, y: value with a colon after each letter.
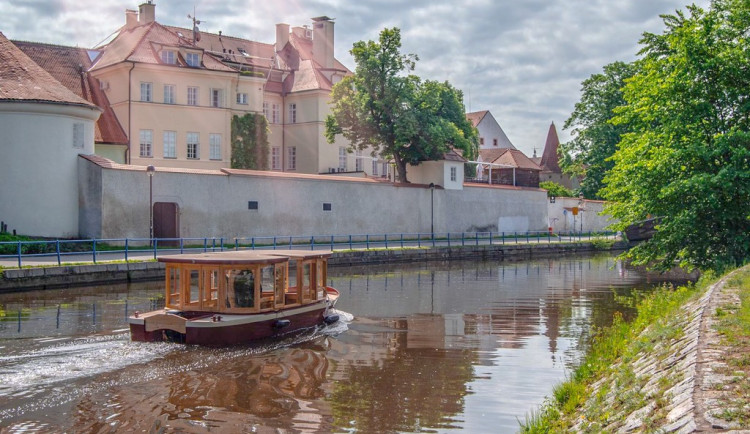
x: 612, y: 383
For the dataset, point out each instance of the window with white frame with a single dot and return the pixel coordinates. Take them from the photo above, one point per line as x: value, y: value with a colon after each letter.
x: 454, y: 173
x: 193, y: 59
x: 276, y: 111
x: 241, y: 98
x: 192, y: 95
x: 146, y: 92
x: 276, y: 158
x: 374, y: 167
x: 146, y: 137
x: 358, y: 166
x: 342, y: 158
x: 214, y: 149
x: 169, y: 94
x: 217, y: 98
x: 168, y: 56
x: 291, y: 158
x: 78, y: 139
x: 266, y: 111
x: 292, y: 113
x: 170, y: 144
x: 193, y: 146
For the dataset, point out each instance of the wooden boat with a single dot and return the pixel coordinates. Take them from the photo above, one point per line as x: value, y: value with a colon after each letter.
x: 235, y: 297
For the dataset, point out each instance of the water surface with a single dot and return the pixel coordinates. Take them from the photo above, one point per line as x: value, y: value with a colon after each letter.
x: 432, y: 347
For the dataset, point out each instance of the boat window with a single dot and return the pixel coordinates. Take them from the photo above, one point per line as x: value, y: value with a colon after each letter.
x: 173, y: 286
x: 280, y: 271
x: 306, y: 271
x: 211, y: 293
x: 293, y: 276
x: 266, y: 287
x: 320, y: 279
x: 194, y: 294
x: 240, y: 288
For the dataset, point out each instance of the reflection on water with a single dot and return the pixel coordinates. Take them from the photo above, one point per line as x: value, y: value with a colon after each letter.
x: 424, y: 347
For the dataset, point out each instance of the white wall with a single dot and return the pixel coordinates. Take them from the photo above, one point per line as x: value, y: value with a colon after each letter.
x: 561, y: 217
x: 489, y: 130
x: 215, y: 204
x: 38, y: 168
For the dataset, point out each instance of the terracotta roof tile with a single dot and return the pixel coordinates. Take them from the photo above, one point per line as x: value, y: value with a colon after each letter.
x: 476, y: 117
x: 65, y: 65
x: 507, y: 156
x: 21, y: 79
x: 550, y: 161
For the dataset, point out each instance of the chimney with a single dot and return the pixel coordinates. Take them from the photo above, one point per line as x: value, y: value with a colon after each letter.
x: 146, y: 13
x: 282, y: 36
x: 131, y: 19
x: 323, y: 41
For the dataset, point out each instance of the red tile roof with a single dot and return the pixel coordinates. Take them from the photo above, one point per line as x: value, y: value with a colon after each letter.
x: 23, y: 80
x: 66, y: 64
x: 549, y: 160
x: 507, y: 156
x: 476, y: 117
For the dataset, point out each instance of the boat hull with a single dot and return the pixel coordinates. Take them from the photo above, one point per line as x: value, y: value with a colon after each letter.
x: 229, y: 329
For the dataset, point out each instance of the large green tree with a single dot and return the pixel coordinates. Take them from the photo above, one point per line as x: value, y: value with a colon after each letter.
x: 385, y: 108
x: 686, y: 158
x: 595, y: 137
x: 250, y: 142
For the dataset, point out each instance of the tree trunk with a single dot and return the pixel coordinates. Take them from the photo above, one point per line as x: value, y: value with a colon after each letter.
x: 400, y: 168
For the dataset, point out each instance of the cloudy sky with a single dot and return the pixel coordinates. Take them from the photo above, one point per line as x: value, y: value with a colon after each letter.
x: 522, y: 60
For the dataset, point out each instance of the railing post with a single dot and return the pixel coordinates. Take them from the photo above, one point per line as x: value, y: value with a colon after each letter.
x: 515, y: 236
x: 236, y: 244
x: 449, y: 239
x: 332, y: 243
x: 502, y: 237
x: 350, y: 242
x: 402, y: 240
x: 490, y: 237
x: 433, y: 239
x: 476, y: 234
x: 385, y: 237
x: 312, y: 242
x: 93, y: 245
x: 156, y: 240
x: 290, y: 242
x: 419, y: 240
x: 367, y: 241
x: 463, y: 238
x: 18, y: 250
x: 205, y: 244
x: 221, y: 244
x: 57, y: 250
x: 274, y: 243
x: 126, y: 250
x: 252, y: 243
x: 182, y: 245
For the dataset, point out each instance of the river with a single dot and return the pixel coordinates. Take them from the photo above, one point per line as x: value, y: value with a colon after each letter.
x: 432, y: 347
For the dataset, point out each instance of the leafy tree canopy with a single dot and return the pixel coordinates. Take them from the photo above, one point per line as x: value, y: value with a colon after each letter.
x: 686, y: 157
x: 555, y: 189
x: 595, y: 138
x: 384, y: 108
x: 250, y: 142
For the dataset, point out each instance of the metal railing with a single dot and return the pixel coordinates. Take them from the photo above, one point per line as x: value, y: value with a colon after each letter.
x: 15, y: 253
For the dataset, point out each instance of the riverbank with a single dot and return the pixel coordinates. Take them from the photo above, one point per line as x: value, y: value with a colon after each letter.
x: 682, y: 366
x: 19, y: 279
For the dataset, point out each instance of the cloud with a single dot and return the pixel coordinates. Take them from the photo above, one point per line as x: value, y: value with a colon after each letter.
x: 523, y: 61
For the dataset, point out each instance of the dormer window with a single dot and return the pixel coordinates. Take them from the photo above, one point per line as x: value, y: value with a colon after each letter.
x: 193, y: 59
x: 169, y: 57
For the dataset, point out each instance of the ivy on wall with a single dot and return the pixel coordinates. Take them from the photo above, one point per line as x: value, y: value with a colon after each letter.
x: 250, y: 142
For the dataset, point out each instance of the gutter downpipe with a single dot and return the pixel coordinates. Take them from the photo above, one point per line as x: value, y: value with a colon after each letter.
x: 130, y: 111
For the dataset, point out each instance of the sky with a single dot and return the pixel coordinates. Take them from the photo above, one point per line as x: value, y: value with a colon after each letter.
x: 524, y: 61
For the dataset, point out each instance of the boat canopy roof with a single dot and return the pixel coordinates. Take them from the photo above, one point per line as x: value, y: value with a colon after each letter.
x: 244, y: 257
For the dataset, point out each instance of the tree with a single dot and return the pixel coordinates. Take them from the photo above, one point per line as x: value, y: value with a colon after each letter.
x: 382, y: 108
x: 250, y: 142
x: 555, y: 189
x: 686, y: 158
x: 595, y: 138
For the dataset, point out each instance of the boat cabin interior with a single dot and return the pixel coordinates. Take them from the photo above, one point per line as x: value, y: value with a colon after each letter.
x: 244, y: 281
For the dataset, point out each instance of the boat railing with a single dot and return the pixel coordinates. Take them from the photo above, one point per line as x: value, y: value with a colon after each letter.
x: 59, y: 251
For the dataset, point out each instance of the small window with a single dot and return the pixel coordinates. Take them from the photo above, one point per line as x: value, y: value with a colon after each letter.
x: 170, y: 142
x: 78, y: 139
x: 293, y: 113
x: 454, y: 174
x: 217, y: 98
x: 193, y: 59
x: 192, y: 96
x: 275, y: 113
x: 494, y: 142
x: 193, y: 146
x: 291, y: 162
x: 242, y: 98
x: 253, y: 204
x: 168, y: 56
x: 169, y: 94
x: 358, y: 166
x: 266, y: 111
x: 342, y: 158
x: 214, y: 146
x: 146, y: 92
x: 374, y: 167
x: 276, y: 158
x: 481, y: 141
x: 326, y: 207
x: 146, y: 137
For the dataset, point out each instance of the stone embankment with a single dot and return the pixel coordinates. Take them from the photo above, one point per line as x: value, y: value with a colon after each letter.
x: 14, y: 279
x: 682, y: 385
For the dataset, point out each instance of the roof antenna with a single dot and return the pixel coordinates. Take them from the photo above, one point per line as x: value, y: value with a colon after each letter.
x: 196, y: 31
